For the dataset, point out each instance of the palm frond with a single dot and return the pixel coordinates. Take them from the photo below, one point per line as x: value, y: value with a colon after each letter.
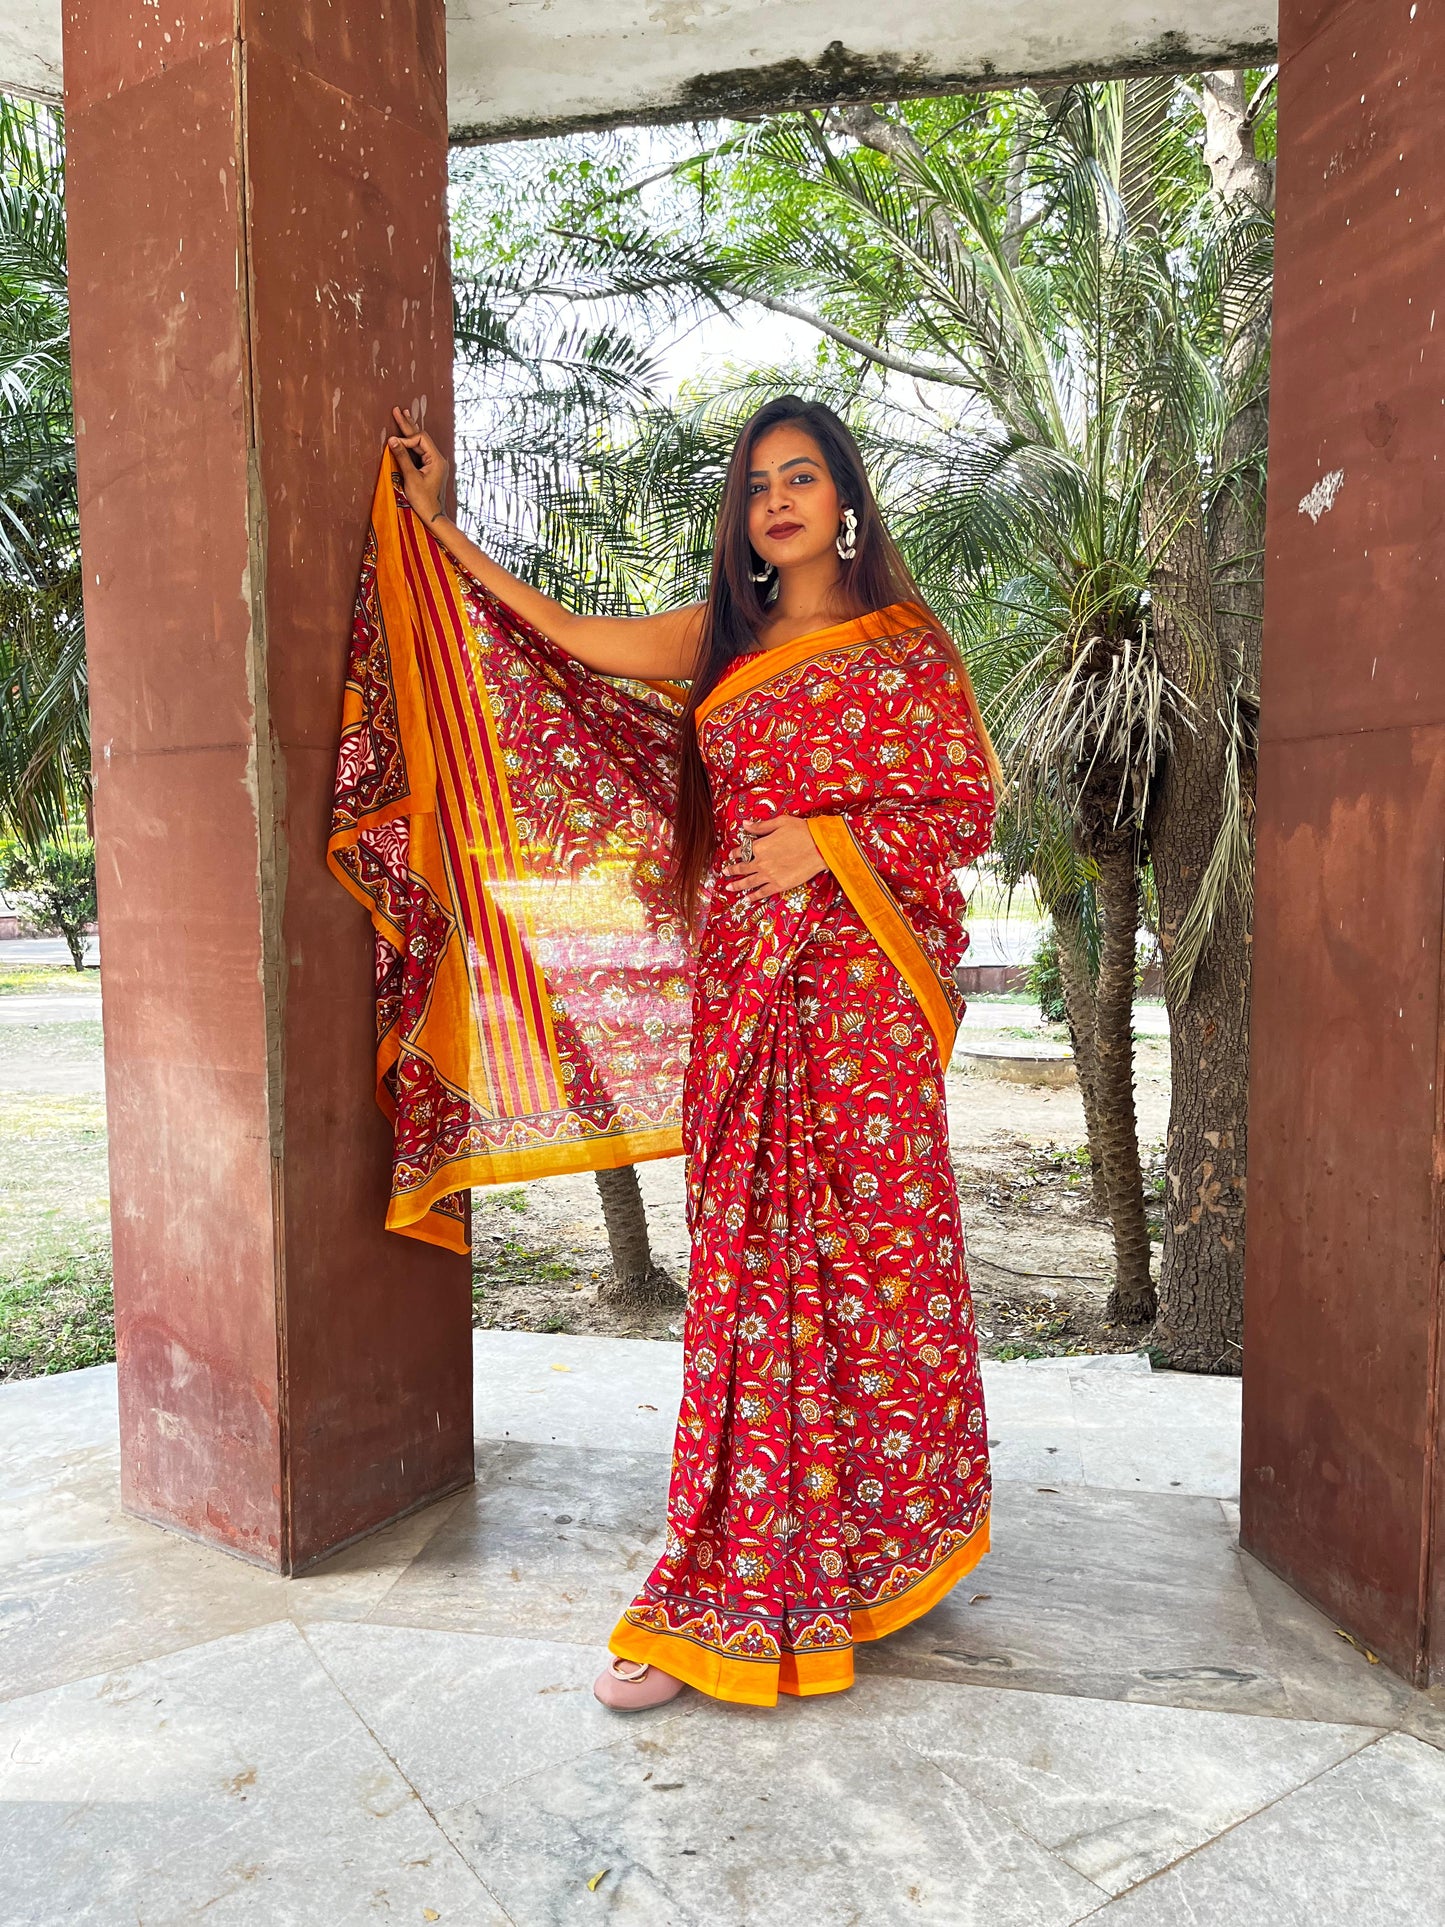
x: 1227, y: 882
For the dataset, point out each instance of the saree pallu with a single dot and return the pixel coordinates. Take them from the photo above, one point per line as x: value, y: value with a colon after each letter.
x: 830, y: 1477
x: 504, y: 815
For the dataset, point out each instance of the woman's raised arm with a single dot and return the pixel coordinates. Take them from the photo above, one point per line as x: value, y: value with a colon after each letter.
x: 661, y: 646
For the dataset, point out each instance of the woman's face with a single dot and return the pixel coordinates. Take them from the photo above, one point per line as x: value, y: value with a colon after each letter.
x: 793, y: 507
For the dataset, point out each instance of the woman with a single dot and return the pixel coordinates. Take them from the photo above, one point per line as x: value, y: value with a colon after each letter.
x: 830, y: 1474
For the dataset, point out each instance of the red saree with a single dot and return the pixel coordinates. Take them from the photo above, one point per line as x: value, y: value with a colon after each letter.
x: 503, y: 813
x: 830, y: 1478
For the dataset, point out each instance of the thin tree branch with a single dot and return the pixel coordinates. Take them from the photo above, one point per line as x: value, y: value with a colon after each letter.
x: 883, y: 357
x: 1261, y: 95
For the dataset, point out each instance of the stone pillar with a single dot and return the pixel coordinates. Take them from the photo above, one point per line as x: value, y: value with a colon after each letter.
x: 257, y: 206
x: 1342, y: 1488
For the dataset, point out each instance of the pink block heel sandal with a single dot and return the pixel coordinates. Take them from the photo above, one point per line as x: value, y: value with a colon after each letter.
x: 628, y: 1685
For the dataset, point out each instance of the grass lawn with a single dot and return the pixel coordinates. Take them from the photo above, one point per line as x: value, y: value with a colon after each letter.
x: 58, y: 1318
x: 55, y: 1292
x: 47, y: 977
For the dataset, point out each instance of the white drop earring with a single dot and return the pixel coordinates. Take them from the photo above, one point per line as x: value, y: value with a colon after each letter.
x: 762, y: 574
x: 847, y: 543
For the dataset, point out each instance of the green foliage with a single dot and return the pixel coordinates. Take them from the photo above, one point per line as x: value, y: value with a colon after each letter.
x: 44, y: 716
x: 1044, y: 983
x: 59, y: 1317
x: 53, y: 886
x: 1017, y: 299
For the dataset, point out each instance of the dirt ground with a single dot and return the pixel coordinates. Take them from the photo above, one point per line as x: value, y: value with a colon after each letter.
x: 1040, y: 1260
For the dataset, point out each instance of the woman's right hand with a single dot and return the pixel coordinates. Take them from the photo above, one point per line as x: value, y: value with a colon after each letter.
x: 426, y: 484
x: 661, y: 646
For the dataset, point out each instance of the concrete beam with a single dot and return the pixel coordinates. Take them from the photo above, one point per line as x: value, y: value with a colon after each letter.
x: 553, y: 65
x: 532, y: 66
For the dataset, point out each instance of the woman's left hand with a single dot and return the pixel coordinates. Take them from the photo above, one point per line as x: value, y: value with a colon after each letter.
x: 784, y: 855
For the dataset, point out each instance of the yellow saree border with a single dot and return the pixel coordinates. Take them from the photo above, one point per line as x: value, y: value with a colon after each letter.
x: 408, y: 1212
x: 746, y: 1682
x: 767, y: 663
x: 878, y: 907
x: 761, y: 666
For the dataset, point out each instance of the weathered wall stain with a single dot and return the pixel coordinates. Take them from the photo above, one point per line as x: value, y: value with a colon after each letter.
x: 839, y: 74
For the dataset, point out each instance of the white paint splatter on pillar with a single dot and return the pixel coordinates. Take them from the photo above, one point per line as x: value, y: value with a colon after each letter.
x: 1321, y: 498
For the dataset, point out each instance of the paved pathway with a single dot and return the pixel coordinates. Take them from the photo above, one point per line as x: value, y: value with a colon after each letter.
x: 1119, y: 1717
x: 44, y: 950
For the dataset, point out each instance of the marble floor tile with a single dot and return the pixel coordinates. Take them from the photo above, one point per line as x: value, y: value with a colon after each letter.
x: 1031, y: 1431
x: 1358, y: 1847
x: 230, y: 1783
x: 810, y: 1813
x: 551, y: 1543
x: 1324, y: 1675
x: 60, y: 1411
x: 1116, y: 1790
x: 1109, y: 1595
x: 71, y: 1606
x: 60, y: 1450
x: 535, y: 1388
x: 1158, y: 1432
x: 353, y: 1582
x: 118, y: 1610
x: 465, y: 1714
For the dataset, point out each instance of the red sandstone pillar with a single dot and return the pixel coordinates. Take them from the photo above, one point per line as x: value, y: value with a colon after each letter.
x: 257, y: 206
x: 1343, y: 1490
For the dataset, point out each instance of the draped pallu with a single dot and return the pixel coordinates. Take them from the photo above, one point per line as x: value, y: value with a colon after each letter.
x: 504, y: 814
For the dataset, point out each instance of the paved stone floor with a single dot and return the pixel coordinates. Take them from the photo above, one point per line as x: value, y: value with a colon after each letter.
x: 1118, y: 1716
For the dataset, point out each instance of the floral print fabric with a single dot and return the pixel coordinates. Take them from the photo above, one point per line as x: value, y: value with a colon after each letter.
x: 830, y: 1474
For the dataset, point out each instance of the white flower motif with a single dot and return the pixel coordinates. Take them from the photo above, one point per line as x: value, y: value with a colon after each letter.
x: 895, y: 1444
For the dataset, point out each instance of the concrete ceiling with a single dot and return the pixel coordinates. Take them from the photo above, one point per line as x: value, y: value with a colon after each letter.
x: 524, y: 66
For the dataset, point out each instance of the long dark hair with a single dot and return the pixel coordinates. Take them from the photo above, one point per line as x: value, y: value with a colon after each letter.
x: 876, y: 578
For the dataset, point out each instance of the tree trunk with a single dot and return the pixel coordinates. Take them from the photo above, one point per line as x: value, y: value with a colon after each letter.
x: 1201, y: 1280
x: 1211, y: 592
x: 1081, y: 1013
x: 1132, y: 1299
x: 1237, y: 523
x: 637, y: 1282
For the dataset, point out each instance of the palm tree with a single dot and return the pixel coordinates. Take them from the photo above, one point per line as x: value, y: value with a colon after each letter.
x: 44, y: 717
x: 1083, y: 519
